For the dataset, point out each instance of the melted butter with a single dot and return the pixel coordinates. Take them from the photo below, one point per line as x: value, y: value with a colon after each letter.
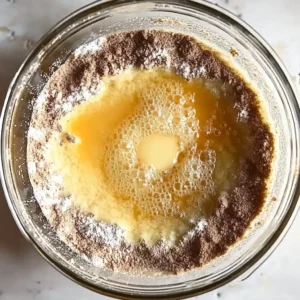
x: 158, y: 151
x: 93, y: 122
x: 152, y: 152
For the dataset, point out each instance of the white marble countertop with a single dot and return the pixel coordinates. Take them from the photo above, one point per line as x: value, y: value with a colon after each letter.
x: 24, y: 274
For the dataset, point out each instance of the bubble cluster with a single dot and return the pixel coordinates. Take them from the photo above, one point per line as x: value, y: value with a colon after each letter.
x: 164, y: 108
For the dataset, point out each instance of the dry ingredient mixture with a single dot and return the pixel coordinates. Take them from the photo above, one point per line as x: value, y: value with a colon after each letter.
x: 76, y: 82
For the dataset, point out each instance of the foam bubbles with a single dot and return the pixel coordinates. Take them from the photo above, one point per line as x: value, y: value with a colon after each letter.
x: 164, y: 108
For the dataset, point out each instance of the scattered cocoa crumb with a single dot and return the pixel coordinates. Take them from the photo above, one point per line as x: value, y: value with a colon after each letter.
x: 233, y: 51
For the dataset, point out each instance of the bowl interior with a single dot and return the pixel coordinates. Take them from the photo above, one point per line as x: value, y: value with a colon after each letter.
x: 213, y: 27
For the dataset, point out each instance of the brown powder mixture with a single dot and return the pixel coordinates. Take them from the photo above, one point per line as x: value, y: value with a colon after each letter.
x: 81, y: 74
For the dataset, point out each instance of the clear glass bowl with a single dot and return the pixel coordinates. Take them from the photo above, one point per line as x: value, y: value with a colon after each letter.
x: 213, y: 26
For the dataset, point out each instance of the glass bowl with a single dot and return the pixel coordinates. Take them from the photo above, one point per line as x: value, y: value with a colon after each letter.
x: 216, y: 28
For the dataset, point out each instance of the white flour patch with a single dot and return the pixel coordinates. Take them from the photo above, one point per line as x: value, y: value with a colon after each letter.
x: 90, y: 47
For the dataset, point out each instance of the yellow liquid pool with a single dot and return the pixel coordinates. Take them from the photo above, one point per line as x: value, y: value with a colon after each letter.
x: 151, y: 153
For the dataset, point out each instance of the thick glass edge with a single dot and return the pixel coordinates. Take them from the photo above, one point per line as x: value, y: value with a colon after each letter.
x: 256, y: 39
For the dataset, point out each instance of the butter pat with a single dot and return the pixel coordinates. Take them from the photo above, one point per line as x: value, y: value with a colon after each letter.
x: 158, y: 151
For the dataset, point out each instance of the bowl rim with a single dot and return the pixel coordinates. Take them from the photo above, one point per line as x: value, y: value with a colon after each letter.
x: 248, y: 267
